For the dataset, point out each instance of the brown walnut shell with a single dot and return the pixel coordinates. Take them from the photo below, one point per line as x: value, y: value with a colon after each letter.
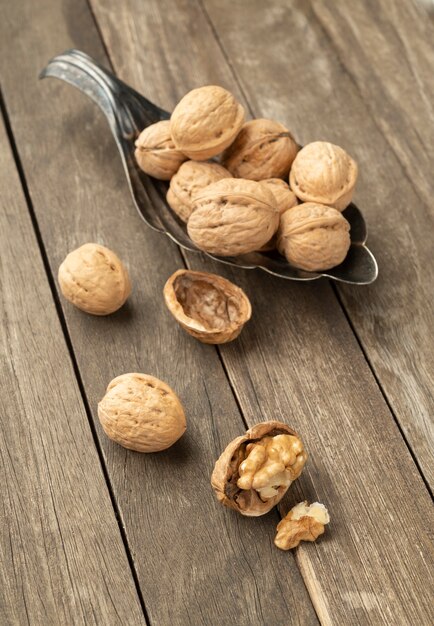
x: 156, y: 153
x: 225, y: 475
x: 325, y: 174
x: 263, y: 149
x: 205, y: 122
x: 141, y: 413
x: 192, y: 177
x: 285, y: 199
x: 207, y: 306
x: 313, y: 237
x: 233, y: 216
x: 94, y: 279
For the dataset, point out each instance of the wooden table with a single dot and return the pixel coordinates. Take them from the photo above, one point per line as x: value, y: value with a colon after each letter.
x: 94, y: 534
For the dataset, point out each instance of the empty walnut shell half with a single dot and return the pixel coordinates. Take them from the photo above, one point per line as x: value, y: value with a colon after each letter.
x: 226, y: 474
x: 156, y: 153
x: 313, y: 237
x: 325, y: 174
x: 205, y: 122
x: 207, y: 306
x: 192, y: 177
x: 263, y: 149
x: 233, y: 216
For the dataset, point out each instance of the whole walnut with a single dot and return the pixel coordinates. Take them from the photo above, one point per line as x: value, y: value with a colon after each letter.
x: 192, y: 177
x: 325, y: 174
x: 141, y: 413
x: 207, y: 306
x: 156, y: 153
x: 256, y: 470
x: 94, y: 279
x: 285, y: 198
x: 233, y: 216
x: 263, y: 149
x: 313, y: 237
x: 205, y: 122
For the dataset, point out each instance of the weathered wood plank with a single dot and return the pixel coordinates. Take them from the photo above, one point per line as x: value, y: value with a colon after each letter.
x: 62, y: 557
x: 298, y: 358
x: 298, y: 76
x: 196, y: 563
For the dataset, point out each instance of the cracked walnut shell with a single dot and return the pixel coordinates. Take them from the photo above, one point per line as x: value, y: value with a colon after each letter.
x: 207, y: 306
x: 141, y: 413
x: 302, y: 523
x: 324, y: 173
x: 94, y: 279
x: 255, y: 470
x: 192, y: 177
x: 233, y: 216
x: 313, y: 237
x: 205, y: 122
x: 156, y: 153
x: 263, y: 149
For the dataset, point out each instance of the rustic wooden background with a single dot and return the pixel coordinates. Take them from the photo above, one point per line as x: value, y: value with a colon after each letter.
x: 91, y: 533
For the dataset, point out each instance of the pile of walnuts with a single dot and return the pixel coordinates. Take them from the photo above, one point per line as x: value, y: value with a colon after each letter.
x: 264, y: 192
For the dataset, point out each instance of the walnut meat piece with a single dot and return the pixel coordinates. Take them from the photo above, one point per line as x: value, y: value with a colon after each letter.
x: 324, y: 173
x: 207, y: 306
x: 156, y: 153
x: 233, y: 216
x: 255, y: 470
x: 302, y: 523
x: 313, y: 237
x: 263, y: 149
x: 94, y: 279
x: 192, y: 177
x: 205, y: 122
x: 141, y: 413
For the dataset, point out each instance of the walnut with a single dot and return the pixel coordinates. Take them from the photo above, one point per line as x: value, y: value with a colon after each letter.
x: 141, y: 413
x: 302, y: 523
x: 285, y: 197
x: 233, y: 216
x: 325, y: 174
x: 207, y: 306
x: 205, y: 122
x: 94, y: 279
x: 313, y: 237
x: 192, y: 177
x: 156, y: 153
x: 262, y: 149
x: 255, y: 470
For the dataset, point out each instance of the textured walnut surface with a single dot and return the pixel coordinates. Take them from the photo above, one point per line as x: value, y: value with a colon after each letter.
x: 313, y: 237
x: 226, y: 472
x: 206, y: 121
x: 156, y: 153
x: 263, y: 149
x: 192, y: 177
x: 285, y: 197
x: 94, y: 279
x: 233, y: 216
x: 209, y: 307
x: 141, y: 413
x: 324, y: 173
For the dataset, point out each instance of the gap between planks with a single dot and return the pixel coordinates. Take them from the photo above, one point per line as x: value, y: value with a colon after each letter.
x: 55, y: 295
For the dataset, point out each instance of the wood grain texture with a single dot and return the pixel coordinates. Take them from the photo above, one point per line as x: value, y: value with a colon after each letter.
x: 359, y: 77
x: 196, y: 563
x: 61, y: 553
x: 298, y: 358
